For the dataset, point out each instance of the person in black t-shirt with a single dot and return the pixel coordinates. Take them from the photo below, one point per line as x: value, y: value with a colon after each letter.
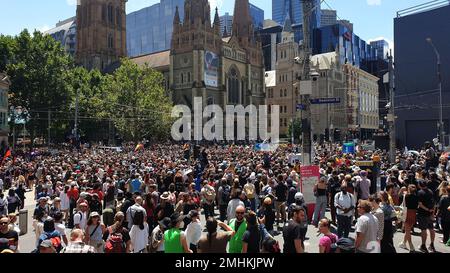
x: 252, y: 236
x: 281, y: 192
x: 425, y: 214
x: 9, y: 239
x: 292, y: 232
x: 444, y: 213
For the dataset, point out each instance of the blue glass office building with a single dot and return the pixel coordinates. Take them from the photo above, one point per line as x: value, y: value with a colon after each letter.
x: 150, y: 29
x: 281, y: 8
x: 257, y: 16
x: 352, y: 49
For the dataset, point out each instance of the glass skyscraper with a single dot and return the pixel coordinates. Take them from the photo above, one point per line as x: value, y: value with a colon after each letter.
x: 382, y: 48
x: 352, y: 49
x: 150, y: 29
x: 281, y: 8
x: 257, y: 16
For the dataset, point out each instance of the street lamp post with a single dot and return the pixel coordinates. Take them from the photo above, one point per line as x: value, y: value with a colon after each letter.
x: 441, y: 123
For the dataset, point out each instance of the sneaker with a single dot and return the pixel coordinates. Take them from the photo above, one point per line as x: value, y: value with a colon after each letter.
x: 412, y: 251
x: 431, y: 249
x: 423, y: 249
x: 402, y: 245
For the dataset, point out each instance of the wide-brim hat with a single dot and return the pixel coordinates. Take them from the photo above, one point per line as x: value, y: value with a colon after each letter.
x: 164, y: 196
x: 165, y: 223
x: 175, y: 218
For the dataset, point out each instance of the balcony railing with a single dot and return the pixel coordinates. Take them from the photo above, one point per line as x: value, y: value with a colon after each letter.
x: 423, y: 7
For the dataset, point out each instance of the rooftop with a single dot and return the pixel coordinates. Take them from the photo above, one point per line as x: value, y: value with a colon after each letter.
x: 154, y: 60
x: 423, y: 7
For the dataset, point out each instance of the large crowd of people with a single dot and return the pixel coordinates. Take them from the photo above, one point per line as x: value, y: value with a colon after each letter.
x: 152, y: 200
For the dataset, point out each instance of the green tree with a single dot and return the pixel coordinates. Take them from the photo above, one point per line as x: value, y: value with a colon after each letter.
x: 38, y: 68
x: 135, y: 99
x: 295, y: 127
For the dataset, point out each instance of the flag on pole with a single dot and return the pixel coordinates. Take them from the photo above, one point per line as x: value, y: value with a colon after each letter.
x: 7, y: 154
x: 139, y: 147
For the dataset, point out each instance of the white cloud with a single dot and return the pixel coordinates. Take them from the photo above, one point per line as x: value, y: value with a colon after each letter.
x: 72, y: 2
x: 373, y: 2
x: 43, y: 28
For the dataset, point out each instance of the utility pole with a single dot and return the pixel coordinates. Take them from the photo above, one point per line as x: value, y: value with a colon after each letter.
x: 439, y: 74
x: 49, y: 125
x: 391, y: 115
x: 76, y: 116
x: 308, y: 7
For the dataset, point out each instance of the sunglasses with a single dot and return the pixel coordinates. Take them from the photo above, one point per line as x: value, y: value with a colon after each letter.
x: 3, y: 223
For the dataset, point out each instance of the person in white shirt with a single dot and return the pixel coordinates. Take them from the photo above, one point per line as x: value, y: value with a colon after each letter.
x: 60, y: 227
x: 157, y: 242
x: 65, y: 202
x: 366, y: 230
x: 133, y: 209
x: 139, y: 233
x: 345, y: 205
x: 193, y: 230
x: 80, y: 217
x: 233, y: 204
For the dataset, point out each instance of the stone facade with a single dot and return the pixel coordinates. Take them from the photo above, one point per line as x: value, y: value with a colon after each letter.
x: 101, y: 33
x: 233, y: 71
x: 331, y: 84
x: 286, y: 90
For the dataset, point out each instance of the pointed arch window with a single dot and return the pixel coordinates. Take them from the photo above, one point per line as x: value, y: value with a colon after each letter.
x: 233, y: 86
x: 110, y: 14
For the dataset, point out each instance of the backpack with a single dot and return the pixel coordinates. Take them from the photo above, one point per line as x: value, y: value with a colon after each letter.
x: 115, y: 243
x: 226, y: 191
x: 56, y: 242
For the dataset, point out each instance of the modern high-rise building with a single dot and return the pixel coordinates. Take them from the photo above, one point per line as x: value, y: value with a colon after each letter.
x: 328, y: 17
x: 65, y: 32
x: 382, y: 48
x: 282, y: 8
x: 226, y: 23
x: 257, y: 15
x: 417, y: 103
x: 150, y: 29
x: 352, y: 50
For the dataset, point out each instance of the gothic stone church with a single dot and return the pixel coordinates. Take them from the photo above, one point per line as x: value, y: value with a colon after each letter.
x: 201, y: 63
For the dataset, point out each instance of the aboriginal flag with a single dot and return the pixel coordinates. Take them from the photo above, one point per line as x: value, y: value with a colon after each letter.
x: 7, y: 154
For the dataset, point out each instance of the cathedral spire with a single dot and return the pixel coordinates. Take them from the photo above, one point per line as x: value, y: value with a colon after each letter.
x: 242, y: 22
x: 176, y: 19
x: 217, y: 22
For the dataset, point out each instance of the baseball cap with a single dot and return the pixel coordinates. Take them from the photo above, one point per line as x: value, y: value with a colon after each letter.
x: 298, y: 196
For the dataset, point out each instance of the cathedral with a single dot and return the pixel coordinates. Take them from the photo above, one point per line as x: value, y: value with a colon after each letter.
x: 101, y: 33
x: 201, y: 63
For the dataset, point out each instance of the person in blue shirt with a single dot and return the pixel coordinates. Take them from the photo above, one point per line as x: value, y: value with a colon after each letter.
x: 135, y: 185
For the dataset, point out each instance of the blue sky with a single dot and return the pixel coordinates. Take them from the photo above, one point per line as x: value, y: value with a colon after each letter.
x: 372, y: 18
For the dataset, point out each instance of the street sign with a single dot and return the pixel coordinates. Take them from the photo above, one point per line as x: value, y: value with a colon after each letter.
x: 325, y: 101
x: 301, y: 107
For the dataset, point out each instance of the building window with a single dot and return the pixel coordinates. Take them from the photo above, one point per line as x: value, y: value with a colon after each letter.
x: 110, y: 41
x: 182, y: 78
x: 104, y: 13
x: 189, y: 76
x: 118, y: 17
x: 285, y: 92
x: 233, y: 86
x: 110, y: 14
x: 281, y: 93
